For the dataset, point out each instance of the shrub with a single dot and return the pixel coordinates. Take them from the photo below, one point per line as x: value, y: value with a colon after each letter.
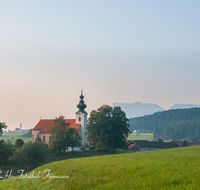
x: 5, y: 152
x: 31, y: 155
x: 18, y: 144
x: 85, y: 145
x: 4, y: 157
x: 38, y: 139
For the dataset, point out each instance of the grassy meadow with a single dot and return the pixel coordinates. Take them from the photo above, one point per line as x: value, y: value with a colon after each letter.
x: 12, y: 136
x: 141, y: 136
x: 80, y: 154
x: 176, y: 168
x: 12, y: 133
x: 13, y: 139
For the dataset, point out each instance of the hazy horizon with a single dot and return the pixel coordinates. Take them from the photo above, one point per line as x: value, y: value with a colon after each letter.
x: 146, y: 51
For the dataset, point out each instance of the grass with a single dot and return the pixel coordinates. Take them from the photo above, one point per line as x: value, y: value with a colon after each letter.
x: 141, y: 136
x: 176, y: 169
x: 13, y: 139
x: 81, y: 154
x: 12, y: 133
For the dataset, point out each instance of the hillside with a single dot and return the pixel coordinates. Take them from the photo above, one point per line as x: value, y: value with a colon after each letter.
x: 180, y: 130
x: 161, y: 119
x: 138, y: 109
x: 143, y: 170
x: 184, y: 106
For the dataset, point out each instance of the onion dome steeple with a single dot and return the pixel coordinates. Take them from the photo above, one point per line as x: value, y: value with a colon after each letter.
x: 81, y: 104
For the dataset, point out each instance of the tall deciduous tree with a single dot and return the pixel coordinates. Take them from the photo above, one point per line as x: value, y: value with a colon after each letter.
x: 72, y: 138
x: 108, y: 128
x: 62, y: 137
x: 57, y: 135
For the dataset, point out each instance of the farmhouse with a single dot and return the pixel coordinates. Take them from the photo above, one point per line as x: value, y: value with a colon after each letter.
x: 133, y: 146
x: 145, y: 145
x: 42, y: 129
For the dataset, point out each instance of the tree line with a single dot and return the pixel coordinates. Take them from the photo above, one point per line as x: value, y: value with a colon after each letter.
x: 29, y: 156
x: 185, y: 129
x: 165, y: 118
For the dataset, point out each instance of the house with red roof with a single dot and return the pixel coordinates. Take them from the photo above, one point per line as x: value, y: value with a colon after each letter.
x: 43, y: 127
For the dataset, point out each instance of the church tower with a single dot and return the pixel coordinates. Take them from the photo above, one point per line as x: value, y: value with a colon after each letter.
x: 81, y: 118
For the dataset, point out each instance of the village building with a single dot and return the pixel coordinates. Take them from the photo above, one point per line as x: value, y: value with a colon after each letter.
x: 42, y: 129
x: 133, y: 146
x: 19, y: 129
x: 145, y: 145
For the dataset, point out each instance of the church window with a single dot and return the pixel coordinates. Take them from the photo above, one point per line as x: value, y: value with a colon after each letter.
x: 38, y: 136
x: 44, y: 139
x: 79, y: 118
x: 32, y: 137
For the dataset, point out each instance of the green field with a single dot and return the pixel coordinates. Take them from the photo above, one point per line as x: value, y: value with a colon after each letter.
x: 12, y: 136
x: 81, y: 154
x: 176, y: 168
x: 17, y: 134
x: 141, y: 136
x: 13, y: 139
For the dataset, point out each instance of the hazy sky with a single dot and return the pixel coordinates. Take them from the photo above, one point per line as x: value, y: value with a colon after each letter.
x: 118, y: 51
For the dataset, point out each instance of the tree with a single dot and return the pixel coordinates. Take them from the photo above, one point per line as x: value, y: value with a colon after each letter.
x: 2, y: 126
x: 72, y: 138
x: 170, y: 144
x: 38, y: 139
x: 57, y: 135
x: 144, y: 130
x: 174, y: 145
x: 5, y: 152
x: 18, y: 144
x: 31, y: 155
x: 28, y: 134
x: 85, y: 145
x: 159, y: 140
x: 62, y: 137
x: 108, y: 128
x: 193, y: 139
x: 184, y: 143
x: 138, y: 133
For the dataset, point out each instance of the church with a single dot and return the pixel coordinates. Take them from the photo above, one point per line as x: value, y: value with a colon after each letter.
x: 41, y: 130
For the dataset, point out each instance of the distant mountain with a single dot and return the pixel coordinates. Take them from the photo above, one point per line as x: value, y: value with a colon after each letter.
x: 138, y: 109
x: 184, y: 106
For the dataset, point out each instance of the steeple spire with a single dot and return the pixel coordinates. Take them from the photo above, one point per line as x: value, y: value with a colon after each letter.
x: 81, y: 104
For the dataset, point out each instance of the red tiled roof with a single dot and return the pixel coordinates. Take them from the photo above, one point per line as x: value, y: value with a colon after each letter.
x: 133, y: 143
x: 44, y: 125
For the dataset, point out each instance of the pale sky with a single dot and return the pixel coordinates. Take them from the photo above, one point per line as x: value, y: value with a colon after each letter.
x: 118, y: 51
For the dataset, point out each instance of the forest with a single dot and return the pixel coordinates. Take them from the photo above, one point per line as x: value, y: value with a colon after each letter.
x: 171, y: 124
x: 186, y: 129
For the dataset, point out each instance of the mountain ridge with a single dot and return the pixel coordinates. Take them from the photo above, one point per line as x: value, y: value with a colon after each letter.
x: 138, y: 109
x: 184, y: 106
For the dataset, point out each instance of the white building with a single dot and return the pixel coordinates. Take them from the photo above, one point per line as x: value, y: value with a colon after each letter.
x: 44, y: 125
